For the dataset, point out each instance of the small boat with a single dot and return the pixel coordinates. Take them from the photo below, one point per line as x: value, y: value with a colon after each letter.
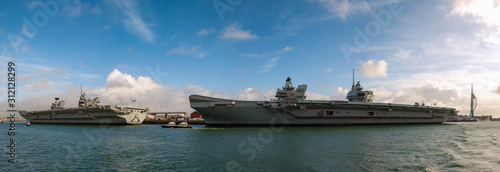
x: 169, y: 125
x: 173, y: 125
x: 28, y: 124
x: 1, y: 121
x: 183, y: 125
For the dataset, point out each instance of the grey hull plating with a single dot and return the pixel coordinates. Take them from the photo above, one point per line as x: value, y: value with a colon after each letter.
x: 103, y: 114
x: 225, y: 112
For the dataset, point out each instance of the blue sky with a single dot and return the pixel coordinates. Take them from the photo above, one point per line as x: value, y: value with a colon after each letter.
x: 160, y: 52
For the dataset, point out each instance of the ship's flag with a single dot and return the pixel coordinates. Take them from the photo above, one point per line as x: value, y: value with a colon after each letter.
x: 133, y: 101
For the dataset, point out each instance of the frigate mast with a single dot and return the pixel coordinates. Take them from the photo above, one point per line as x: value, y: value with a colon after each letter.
x: 353, y: 77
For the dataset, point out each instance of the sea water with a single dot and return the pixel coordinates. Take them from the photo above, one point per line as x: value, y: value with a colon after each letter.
x: 472, y: 146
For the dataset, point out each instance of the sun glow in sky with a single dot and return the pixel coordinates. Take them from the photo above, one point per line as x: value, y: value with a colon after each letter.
x: 160, y: 52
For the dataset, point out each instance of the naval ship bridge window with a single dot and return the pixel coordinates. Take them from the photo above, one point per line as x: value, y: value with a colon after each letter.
x: 370, y: 113
x: 329, y: 112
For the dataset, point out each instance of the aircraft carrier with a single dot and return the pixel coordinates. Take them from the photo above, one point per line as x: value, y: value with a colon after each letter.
x: 88, y: 112
x: 290, y: 108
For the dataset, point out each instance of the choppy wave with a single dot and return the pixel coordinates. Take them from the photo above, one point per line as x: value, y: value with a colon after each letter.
x: 447, y: 147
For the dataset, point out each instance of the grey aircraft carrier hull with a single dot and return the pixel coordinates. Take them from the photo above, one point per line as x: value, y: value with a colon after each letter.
x: 102, y: 114
x: 229, y: 113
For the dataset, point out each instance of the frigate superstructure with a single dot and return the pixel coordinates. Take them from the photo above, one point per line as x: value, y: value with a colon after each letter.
x: 290, y: 108
x: 88, y: 112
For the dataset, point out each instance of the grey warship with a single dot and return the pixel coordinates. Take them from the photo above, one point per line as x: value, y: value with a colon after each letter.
x: 290, y: 108
x: 88, y: 112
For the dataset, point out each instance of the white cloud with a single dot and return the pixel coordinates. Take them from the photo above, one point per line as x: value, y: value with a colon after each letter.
x: 402, y: 54
x: 123, y: 88
x: 286, y: 49
x: 120, y: 89
x: 316, y: 96
x: 74, y: 9
x: 374, y: 70
x: 273, y: 60
x: 448, y: 88
x: 329, y: 70
x: 191, y: 51
x: 340, y: 94
x: 39, y: 85
x: 133, y: 21
x: 205, y: 32
x: 282, y: 51
x: 344, y: 8
x: 479, y: 11
x: 497, y: 90
x: 254, y: 94
x: 270, y: 64
x: 234, y: 32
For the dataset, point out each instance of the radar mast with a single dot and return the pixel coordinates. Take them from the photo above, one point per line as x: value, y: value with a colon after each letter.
x: 352, y: 77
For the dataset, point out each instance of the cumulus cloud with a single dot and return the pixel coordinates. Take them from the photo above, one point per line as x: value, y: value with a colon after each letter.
x: 254, y: 94
x: 191, y: 51
x: 123, y: 88
x: 479, y: 11
x: 315, y: 96
x: 429, y: 93
x: 449, y: 88
x: 234, y: 32
x: 344, y: 8
x: 374, y: 70
x: 340, y: 94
